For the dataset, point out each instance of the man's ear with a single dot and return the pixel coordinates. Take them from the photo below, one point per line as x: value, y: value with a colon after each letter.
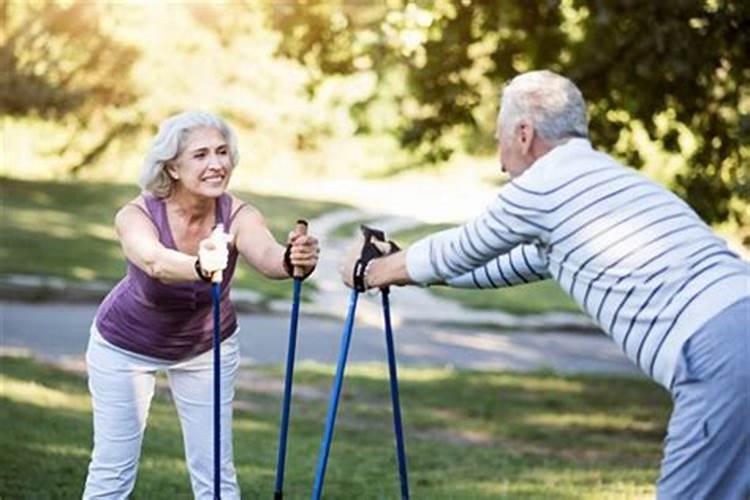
x: 525, y: 136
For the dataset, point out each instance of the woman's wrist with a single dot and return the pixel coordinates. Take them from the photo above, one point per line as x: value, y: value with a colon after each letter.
x: 199, y: 271
x: 286, y: 261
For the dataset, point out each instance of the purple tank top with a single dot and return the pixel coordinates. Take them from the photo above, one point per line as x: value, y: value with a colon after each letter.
x: 167, y: 321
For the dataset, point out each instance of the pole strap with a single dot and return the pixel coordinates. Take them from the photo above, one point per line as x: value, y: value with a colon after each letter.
x: 369, y: 252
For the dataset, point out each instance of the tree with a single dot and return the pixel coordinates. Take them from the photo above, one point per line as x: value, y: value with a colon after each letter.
x: 58, y: 64
x: 679, y: 70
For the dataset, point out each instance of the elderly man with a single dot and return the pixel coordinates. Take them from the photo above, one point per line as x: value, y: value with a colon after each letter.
x: 633, y: 255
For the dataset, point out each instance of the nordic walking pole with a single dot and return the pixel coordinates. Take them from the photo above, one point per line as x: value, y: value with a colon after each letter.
x: 335, y: 394
x: 397, y: 427
x: 216, y: 296
x: 369, y: 251
x: 297, y: 274
x: 216, y: 279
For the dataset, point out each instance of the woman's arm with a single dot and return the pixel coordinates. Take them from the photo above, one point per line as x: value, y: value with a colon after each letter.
x: 261, y: 250
x: 257, y: 245
x: 140, y: 243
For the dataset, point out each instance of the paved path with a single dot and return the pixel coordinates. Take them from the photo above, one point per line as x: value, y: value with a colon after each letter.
x: 60, y: 332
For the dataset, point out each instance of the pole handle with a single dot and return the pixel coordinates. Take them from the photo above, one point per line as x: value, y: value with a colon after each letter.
x: 300, y: 229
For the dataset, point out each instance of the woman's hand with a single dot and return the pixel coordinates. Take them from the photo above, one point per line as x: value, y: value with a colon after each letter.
x: 301, y: 253
x: 213, y: 252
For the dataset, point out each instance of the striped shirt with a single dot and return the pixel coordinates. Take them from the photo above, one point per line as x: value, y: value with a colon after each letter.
x: 634, y: 256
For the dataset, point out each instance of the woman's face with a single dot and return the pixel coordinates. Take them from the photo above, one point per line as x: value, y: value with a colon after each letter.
x: 205, y: 164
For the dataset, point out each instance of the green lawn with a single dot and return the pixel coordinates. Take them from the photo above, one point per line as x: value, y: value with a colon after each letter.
x: 469, y: 435
x: 533, y: 298
x: 66, y: 230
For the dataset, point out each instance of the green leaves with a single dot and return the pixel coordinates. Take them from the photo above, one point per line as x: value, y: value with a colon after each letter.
x: 684, y: 61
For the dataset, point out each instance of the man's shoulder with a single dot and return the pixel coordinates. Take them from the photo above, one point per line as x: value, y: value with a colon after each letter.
x: 570, y: 167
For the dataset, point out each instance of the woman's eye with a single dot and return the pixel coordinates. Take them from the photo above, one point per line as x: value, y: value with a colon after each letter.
x: 199, y: 155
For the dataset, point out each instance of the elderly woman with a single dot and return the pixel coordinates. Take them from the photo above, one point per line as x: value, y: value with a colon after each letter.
x: 159, y: 317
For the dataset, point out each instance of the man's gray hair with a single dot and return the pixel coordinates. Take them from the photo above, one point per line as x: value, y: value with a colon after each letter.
x: 551, y: 102
x: 169, y: 143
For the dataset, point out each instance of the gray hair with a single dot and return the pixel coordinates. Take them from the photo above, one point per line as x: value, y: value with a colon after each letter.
x: 552, y: 103
x: 169, y: 143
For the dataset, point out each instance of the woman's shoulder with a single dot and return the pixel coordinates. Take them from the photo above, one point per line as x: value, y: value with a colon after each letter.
x: 138, y: 203
x: 137, y: 207
x: 238, y: 206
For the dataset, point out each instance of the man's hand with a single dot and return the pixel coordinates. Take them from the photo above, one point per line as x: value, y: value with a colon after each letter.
x: 354, y: 254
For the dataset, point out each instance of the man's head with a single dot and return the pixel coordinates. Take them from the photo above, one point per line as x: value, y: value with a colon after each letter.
x: 538, y: 111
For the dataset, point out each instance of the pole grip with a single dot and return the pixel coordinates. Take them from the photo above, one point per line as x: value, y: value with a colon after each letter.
x: 301, y: 229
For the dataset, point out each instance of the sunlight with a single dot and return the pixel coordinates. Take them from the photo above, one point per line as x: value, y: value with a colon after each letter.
x: 83, y: 273
x: 50, y: 222
x: 31, y: 393
x: 378, y: 371
x: 599, y: 421
x: 101, y: 231
x: 249, y: 425
x: 63, y: 451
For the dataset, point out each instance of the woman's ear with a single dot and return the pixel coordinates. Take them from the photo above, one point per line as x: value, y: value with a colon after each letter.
x: 172, y: 170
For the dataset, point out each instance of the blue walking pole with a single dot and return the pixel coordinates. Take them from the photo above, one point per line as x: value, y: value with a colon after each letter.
x: 369, y: 251
x: 284, y: 430
x: 335, y: 394
x: 216, y: 297
x: 397, y: 427
x: 216, y: 279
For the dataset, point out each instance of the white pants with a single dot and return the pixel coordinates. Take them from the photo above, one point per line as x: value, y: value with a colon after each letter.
x: 122, y: 385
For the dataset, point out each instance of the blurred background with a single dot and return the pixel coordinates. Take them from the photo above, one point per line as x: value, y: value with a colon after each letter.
x: 376, y: 111
x: 374, y: 90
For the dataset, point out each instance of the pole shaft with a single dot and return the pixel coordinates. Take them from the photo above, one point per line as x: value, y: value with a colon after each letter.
x: 334, y: 401
x: 216, y: 296
x: 397, y: 427
x: 288, y: 380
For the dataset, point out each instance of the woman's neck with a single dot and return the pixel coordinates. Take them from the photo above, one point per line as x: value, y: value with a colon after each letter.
x: 191, y: 207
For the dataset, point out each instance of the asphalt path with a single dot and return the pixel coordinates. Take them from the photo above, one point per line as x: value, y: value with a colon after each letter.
x: 60, y: 331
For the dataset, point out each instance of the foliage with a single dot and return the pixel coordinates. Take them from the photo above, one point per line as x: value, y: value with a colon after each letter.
x: 498, y: 435
x: 85, y: 84
x: 57, y: 60
x: 58, y: 63
x: 679, y: 70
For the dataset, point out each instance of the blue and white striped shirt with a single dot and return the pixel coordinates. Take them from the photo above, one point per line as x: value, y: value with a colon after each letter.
x: 633, y: 255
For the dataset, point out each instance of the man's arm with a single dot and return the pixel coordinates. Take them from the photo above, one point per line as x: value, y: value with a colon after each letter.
x: 508, y: 222
x: 523, y: 264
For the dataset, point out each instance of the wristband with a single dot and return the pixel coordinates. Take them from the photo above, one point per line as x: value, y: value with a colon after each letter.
x: 199, y: 271
x: 288, y: 267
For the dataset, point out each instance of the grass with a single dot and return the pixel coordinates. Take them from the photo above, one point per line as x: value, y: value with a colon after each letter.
x: 469, y: 435
x: 66, y: 230
x: 533, y: 298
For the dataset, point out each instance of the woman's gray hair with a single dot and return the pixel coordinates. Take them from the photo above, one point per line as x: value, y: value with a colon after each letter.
x: 169, y: 143
x: 552, y: 103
